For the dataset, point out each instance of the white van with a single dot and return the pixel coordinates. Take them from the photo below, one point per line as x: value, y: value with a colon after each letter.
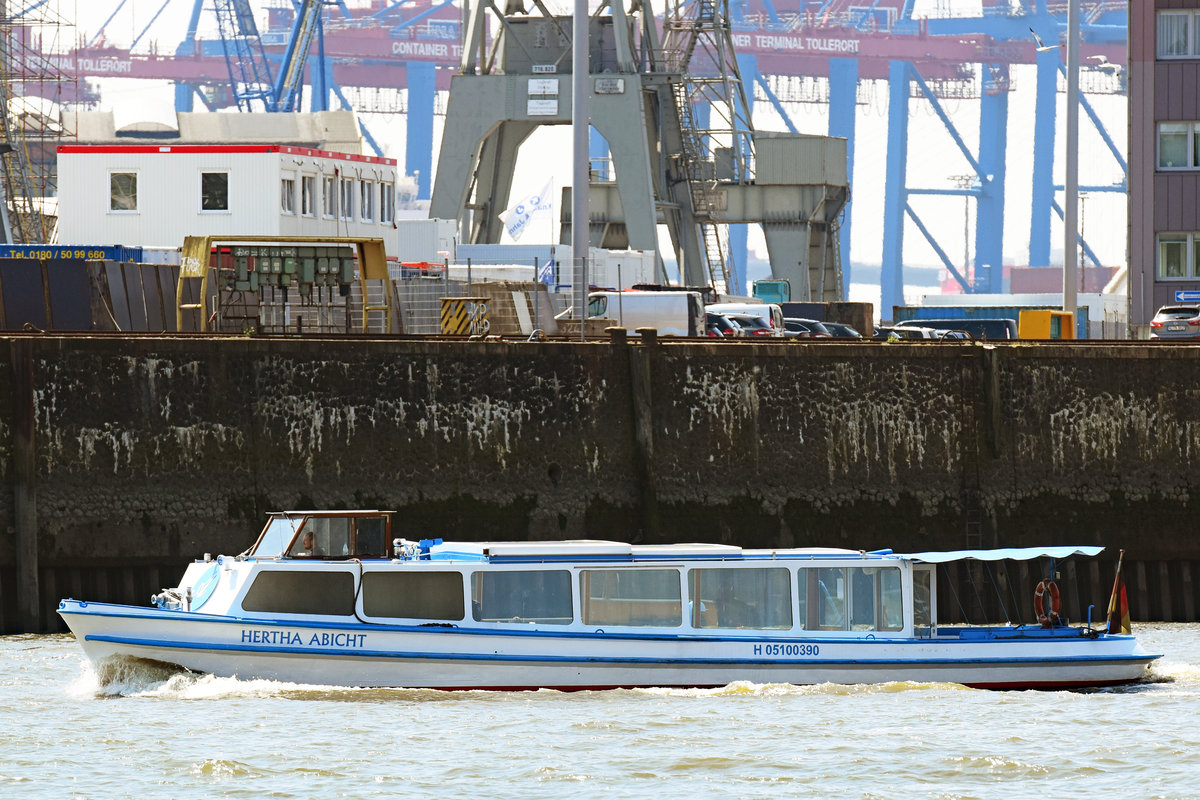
x: 671, y: 313
x: 771, y: 312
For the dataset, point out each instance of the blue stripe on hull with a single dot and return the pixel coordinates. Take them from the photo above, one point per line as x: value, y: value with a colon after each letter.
x: 1034, y: 634
x: 617, y: 660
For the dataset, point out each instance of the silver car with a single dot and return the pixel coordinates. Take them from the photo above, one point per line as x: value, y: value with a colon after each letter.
x: 1176, y: 322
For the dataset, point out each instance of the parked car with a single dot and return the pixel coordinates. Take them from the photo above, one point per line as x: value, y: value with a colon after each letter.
x: 720, y: 326
x: 768, y: 311
x: 894, y: 332
x: 840, y: 330
x: 1176, y: 322
x: 671, y: 313
x: 799, y: 328
x: 753, y: 325
x: 978, y: 328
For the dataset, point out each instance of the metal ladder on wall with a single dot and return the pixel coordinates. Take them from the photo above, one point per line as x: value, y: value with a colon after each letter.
x: 693, y: 170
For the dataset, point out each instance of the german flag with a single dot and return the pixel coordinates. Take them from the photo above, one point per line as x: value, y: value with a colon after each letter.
x: 1118, y: 604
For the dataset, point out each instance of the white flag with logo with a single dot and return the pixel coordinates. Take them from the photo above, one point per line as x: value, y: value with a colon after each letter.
x: 518, y: 218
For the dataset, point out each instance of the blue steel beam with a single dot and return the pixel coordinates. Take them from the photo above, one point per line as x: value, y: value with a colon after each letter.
x: 1044, y: 127
x: 337, y: 90
x: 843, y: 105
x: 958, y: 276
x: 188, y: 45
x: 737, y: 251
x: 148, y: 24
x: 289, y: 81
x: 895, y: 190
x: 389, y: 7
x: 945, y: 118
x: 599, y: 155
x: 320, y: 73
x: 1087, y: 251
x: 759, y: 80
x: 418, y: 138
x: 989, y: 217
x: 414, y: 20
x: 27, y: 9
x: 100, y: 32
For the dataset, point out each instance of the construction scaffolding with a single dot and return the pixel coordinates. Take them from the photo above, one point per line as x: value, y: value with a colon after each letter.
x: 32, y: 90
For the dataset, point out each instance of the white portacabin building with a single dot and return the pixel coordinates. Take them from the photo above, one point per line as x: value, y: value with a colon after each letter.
x: 154, y: 195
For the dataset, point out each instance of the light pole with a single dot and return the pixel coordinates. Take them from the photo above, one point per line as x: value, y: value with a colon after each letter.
x: 1083, y: 196
x: 1071, y: 183
x: 966, y: 182
x: 580, y: 99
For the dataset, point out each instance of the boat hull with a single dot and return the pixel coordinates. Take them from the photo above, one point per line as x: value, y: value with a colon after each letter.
x: 459, y: 658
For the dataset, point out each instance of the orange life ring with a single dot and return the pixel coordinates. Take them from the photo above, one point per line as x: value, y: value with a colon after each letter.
x: 1048, y: 617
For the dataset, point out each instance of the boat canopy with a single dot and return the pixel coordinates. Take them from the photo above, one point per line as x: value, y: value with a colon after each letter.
x: 1003, y: 554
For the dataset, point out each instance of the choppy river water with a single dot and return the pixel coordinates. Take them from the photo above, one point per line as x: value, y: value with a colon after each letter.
x: 161, y: 735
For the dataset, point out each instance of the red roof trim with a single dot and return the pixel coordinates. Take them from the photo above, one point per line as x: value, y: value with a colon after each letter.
x: 222, y: 148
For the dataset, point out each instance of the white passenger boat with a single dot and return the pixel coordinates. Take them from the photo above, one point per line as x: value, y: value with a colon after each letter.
x: 321, y: 597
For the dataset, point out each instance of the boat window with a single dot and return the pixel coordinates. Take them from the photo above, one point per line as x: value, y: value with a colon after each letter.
x: 413, y: 595
x: 301, y: 592
x: 876, y: 604
x: 862, y: 604
x: 275, y: 536
x: 323, y: 537
x: 891, y: 600
x: 640, y: 597
x: 542, y: 596
x: 922, y: 597
x: 370, y: 537
x: 827, y: 598
x: 740, y: 598
x: 802, y: 593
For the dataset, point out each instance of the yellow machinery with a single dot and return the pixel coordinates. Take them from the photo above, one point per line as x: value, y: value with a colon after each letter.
x: 252, y: 264
x: 1044, y: 323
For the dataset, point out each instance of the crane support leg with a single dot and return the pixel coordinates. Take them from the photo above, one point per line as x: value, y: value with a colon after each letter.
x: 418, y: 138
x: 989, y: 217
x: 895, y: 190
x: 843, y: 104
x: 1045, y: 112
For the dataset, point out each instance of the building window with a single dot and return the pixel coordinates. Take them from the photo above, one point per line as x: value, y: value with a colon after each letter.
x: 347, y: 198
x: 329, y: 196
x: 1177, y: 34
x: 122, y: 191
x: 214, y: 191
x: 1178, y: 145
x: 287, y: 195
x: 387, y: 202
x: 308, y: 195
x: 366, y: 202
x: 1175, y: 252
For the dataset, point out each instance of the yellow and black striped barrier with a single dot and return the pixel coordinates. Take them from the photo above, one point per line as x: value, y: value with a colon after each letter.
x: 465, y: 316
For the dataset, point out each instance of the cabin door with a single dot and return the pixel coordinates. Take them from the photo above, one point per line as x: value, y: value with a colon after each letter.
x: 924, y: 601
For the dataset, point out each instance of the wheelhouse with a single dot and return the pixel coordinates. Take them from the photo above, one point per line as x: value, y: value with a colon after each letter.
x: 325, y: 534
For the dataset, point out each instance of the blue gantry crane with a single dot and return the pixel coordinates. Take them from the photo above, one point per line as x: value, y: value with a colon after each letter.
x: 255, y: 82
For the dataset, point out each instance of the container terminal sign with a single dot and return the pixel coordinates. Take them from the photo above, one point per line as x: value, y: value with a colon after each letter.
x: 795, y: 44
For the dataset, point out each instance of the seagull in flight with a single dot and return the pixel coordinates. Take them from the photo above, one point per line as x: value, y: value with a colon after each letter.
x: 1103, y: 63
x: 1042, y: 47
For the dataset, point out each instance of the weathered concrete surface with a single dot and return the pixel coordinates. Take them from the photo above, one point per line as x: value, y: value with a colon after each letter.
x: 154, y: 450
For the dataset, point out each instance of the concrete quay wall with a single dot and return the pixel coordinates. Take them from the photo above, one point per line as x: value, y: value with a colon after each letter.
x: 123, y: 457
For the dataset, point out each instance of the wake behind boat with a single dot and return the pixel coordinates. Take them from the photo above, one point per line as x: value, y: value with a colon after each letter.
x: 321, y: 597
